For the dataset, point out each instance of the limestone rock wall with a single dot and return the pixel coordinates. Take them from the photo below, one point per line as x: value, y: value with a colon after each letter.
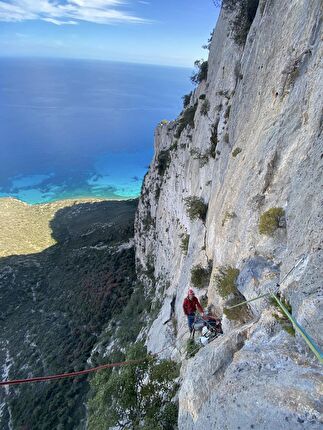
x: 265, y: 113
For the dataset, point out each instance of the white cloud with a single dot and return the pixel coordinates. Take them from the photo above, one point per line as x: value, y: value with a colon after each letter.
x: 62, y: 12
x: 57, y: 22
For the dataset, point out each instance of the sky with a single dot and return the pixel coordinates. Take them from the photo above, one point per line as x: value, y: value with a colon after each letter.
x: 164, y: 32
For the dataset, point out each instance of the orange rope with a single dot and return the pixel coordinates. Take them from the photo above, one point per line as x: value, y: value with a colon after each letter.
x: 78, y: 373
x: 71, y: 374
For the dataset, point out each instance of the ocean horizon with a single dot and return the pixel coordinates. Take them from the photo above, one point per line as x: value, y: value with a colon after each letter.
x: 74, y: 129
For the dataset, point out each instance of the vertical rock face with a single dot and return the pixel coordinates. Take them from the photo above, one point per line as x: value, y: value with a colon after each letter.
x: 256, y: 144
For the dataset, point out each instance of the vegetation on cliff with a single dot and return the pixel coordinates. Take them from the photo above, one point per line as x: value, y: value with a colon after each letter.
x: 196, y: 208
x: 136, y: 396
x: 270, y: 220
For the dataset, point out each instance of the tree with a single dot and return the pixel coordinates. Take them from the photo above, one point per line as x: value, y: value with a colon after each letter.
x: 135, y: 396
x: 201, y: 73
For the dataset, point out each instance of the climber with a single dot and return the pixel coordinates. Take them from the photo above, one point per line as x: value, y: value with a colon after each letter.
x: 190, y: 305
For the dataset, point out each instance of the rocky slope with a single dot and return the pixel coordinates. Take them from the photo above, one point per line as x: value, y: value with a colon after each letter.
x: 254, y: 144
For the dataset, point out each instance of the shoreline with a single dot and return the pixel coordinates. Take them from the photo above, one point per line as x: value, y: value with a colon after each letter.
x: 70, y: 200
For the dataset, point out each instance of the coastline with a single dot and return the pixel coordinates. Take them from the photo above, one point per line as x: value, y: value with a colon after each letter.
x: 27, y: 228
x: 69, y: 201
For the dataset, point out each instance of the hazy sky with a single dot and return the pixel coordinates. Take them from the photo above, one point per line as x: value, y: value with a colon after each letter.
x: 168, y: 32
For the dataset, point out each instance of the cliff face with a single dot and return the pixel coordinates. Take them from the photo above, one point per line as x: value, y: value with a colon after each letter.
x: 256, y: 144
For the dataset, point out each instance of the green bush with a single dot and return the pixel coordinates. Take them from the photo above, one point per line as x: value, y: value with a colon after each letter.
x: 224, y: 93
x: 140, y: 395
x: 184, y: 243
x: 228, y: 215
x: 130, y: 316
x: 191, y: 348
x: 269, y: 221
x: 157, y: 192
x: 244, y: 14
x: 188, y: 116
x: 198, y: 155
x: 225, y: 281
x: 186, y: 119
x: 200, y: 276
x: 201, y: 74
x: 236, y: 151
x: 174, y: 146
x: 240, y: 313
x: 163, y: 161
x: 205, y: 107
x: 281, y: 317
x: 204, y: 301
x: 208, y: 44
x: 214, y: 138
x: 186, y: 99
x: 196, y: 208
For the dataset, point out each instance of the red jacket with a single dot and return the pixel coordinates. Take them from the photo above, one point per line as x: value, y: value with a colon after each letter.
x: 189, y: 306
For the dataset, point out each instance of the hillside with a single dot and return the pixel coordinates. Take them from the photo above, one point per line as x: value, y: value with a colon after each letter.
x: 25, y: 228
x: 55, y: 303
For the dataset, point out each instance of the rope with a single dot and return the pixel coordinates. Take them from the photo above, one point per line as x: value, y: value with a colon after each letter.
x: 313, y: 346
x: 308, y: 339
x: 248, y: 301
x: 310, y: 342
x: 71, y: 374
x: 80, y: 372
x: 277, y: 285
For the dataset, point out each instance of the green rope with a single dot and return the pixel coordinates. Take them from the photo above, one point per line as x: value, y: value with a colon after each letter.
x: 310, y: 342
x: 248, y: 301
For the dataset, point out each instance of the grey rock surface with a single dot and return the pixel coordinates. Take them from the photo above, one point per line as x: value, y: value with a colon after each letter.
x: 265, y: 99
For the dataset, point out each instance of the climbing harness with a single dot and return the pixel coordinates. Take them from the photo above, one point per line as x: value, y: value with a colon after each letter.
x: 209, y: 331
x: 208, y: 335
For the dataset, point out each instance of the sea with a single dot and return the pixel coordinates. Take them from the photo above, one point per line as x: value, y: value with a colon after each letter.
x: 79, y: 128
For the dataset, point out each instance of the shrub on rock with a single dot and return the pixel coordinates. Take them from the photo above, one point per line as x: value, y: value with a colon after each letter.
x: 200, y: 276
x: 196, y: 208
x: 270, y: 221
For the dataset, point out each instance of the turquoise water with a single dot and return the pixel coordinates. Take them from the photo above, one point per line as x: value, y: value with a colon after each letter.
x: 81, y: 128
